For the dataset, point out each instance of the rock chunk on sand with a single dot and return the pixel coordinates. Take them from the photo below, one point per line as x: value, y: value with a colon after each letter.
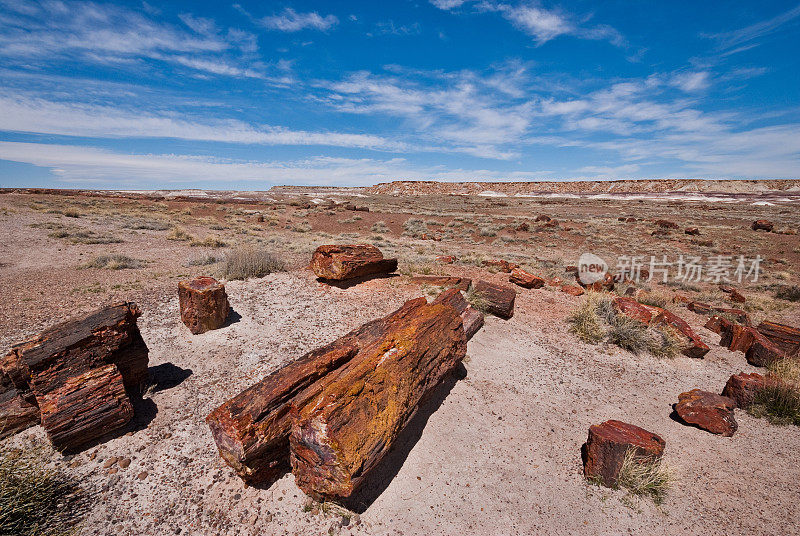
x: 338, y: 263
x: 204, y: 304
x: 607, y: 445
x: 708, y: 411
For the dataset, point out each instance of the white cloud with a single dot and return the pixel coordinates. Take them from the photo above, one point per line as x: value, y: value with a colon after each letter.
x: 291, y: 21
x: 24, y: 114
x: 543, y: 25
x: 737, y: 38
x: 88, y: 166
x: 447, y: 4
x: 692, y: 81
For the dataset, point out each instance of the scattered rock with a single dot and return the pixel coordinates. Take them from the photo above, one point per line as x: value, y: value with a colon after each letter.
x: 762, y: 225
x: 524, y: 279
x: 742, y: 387
x: 666, y: 224
x: 522, y: 227
x: 572, y: 290
x: 607, y: 445
x: 446, y: 259
x: 203, y: 303
x: 340, y: 262
x: 708, y: 411
x: 350, y: 206
x: 461, y: 283
x: 694, y: 231
x: 732, y: 293
x: 500, y: 265
x: 542, y: 217
x: 109, y: 462
x: 124, y: 463
x: 498, y: 299
x: 142, y: 475
x: 691, y: 343
x: 260, y: 218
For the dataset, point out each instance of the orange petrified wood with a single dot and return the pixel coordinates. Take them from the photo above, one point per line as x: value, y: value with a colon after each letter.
x: 204, y: 304
x: 354, y: 419
x: 607, y: 445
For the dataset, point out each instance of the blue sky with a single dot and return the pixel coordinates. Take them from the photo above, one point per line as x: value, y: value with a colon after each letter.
x: 249, y: 95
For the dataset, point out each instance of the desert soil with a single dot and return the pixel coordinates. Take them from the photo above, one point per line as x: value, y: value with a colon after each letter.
x: 499, y: 453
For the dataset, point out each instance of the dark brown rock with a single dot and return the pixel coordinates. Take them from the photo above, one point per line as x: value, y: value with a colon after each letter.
x: 609, y: 442
x: 341, y: 434
x: 666, y: 224
x: 785, y: 337
x: 523, y: 227
x: 694, y: 231
x: 203, y: 303
x: 542, y: 217
x: 349, y: 261
x: 708, y: 411
x: 742, y: 387
x: 762, y: 225
x: 498, y: 300
x: 763, y: 352
x: 18, y: 411
x: 525, y: 279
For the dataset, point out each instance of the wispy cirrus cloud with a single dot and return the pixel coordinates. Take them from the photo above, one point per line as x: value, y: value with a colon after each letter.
x: 85, y: 32
x: 290, y: 20
x: 742, y: 39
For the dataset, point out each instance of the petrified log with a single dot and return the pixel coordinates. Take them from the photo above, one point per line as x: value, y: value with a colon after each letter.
x: 18, y: 410
x: 497, y: 299
x: 787, y: 338
x: 609, y: 442
x: 461, y: 283
x: 252, y: 429
x: 471, y: 317
x: 108, y: 335
x: 694, y: 231
x: 343, y: 433
x: 763, y: 352
x: 85, y: 407
x: 203, y: 303
x: 572, y: 290
x: 525, y: 279
x: 742, y: 387
x: 708, y: 411
x: 349, y: 261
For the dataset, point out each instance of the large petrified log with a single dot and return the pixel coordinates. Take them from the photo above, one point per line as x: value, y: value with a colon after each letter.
x: 85, y: 407
x: 759, y: 349
x: 338, y: 262
x: 609, y: 442
x: 471, y: 317
x: 203, y: 303
x: 77, y: 375
x: 353, y: 420
x: 252, y: 429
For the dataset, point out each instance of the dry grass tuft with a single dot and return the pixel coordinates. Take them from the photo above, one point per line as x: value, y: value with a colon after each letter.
x: 179, y: 234
x: 208, y: 242
x: 585, y: 322
x: 244, y: 262
x: 114, y: 262
x: 35, y: 499
x: 644, y: 476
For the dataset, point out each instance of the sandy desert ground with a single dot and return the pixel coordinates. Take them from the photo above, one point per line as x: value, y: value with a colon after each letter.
x: 498, y: 452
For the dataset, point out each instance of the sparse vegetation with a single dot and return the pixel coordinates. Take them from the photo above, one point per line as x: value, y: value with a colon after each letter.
x: 414, y: 227
x: 585, y: 322
x: 114, y: 262
x: 84, y: 237
x: 209, y: 242
x: 179, y: 234
x: 203, y: 260
x: 788, y: 293
x: 36, y: 499
x: 779, y: 402
x: 380, y: 227
x: 643, y: 476
x: 244, y: 262
x: 477, y: 300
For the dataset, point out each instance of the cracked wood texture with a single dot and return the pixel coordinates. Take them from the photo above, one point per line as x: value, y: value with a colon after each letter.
x: 346, y: 429
x: 18, y: 409
x: 339, y: 262
x: 203, y: 304
x: 85, y: 408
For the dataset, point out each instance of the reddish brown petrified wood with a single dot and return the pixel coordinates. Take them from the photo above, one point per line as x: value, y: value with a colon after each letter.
x: 609, y: 442
x: 203, y: 303
x: 340, y: 435
x: 338, y: 262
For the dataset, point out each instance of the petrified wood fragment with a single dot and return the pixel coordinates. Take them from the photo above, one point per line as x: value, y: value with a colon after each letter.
x: 525, y: 279
x: 85, y: 407
x: 350, y: 261
x: 742, y: 387
x: 461, y: 283
x: 18, y: 410
x: 497, y: 299
x: 787, y: 338
x: 343, y: 433
x: 708, y: 411
x: 203, y: 303
x: 607, y: 445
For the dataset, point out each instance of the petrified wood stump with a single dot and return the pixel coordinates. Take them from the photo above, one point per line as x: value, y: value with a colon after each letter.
x: 498, y: 300
x: 204, y: 304
x: 350, y: 261
x: 708, y: 411
x: 78, y: 375
x: 525, y: 279
x: 607, y: 445
x: 471, y: 317
x: 85, y: 407
x: 343, y: 433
